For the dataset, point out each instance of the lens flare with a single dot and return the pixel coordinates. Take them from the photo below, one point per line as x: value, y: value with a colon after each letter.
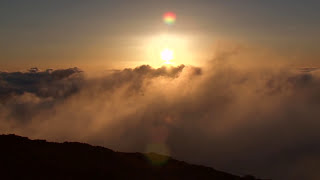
x: 169, y: 18
x: 157, y: 154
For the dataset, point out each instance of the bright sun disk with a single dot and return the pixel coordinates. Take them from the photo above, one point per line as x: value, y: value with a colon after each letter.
x: 167, y: 55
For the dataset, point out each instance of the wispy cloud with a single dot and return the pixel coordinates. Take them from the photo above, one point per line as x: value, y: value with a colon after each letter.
x: 256, y: 121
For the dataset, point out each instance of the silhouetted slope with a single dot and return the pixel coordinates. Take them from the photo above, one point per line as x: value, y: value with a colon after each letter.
x: 22, y: 158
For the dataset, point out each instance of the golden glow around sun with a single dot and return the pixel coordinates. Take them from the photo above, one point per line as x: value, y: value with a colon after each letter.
x: 167, y: 49
x: 167, y: 55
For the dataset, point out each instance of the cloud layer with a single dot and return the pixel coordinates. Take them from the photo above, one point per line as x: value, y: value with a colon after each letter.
x: 243, y: 120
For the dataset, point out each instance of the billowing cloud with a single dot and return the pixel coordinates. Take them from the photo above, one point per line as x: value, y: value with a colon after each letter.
x: 243, y: 120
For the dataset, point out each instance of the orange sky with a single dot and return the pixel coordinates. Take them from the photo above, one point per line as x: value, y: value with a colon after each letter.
x: 116, y: 34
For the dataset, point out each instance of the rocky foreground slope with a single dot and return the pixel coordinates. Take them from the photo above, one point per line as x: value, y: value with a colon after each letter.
x: 22, y: 158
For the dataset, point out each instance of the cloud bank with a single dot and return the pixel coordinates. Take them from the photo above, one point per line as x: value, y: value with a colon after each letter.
x: 253, y: 120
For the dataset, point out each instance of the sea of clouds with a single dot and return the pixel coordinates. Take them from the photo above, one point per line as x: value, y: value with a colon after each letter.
x: 253, y: 120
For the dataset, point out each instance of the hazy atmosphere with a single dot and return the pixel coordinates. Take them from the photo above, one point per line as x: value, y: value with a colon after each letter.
x: 126, y: 33
x: 233, y: 85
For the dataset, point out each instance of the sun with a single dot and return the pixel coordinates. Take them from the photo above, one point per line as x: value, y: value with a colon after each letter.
x: 167, y: 55
x: 167, y: 49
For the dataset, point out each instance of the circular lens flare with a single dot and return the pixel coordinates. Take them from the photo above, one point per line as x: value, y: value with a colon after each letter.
x: 169, y: 18
x: 157, y: 154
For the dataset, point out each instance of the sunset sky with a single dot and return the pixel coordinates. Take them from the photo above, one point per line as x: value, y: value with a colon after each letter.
x: 229, y: 84
x: 126, y: 33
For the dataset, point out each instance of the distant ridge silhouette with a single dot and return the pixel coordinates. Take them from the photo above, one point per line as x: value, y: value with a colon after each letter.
x: 22, y: 158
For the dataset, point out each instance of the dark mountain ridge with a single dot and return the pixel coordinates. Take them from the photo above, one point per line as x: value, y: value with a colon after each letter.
x: 22, y: 158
